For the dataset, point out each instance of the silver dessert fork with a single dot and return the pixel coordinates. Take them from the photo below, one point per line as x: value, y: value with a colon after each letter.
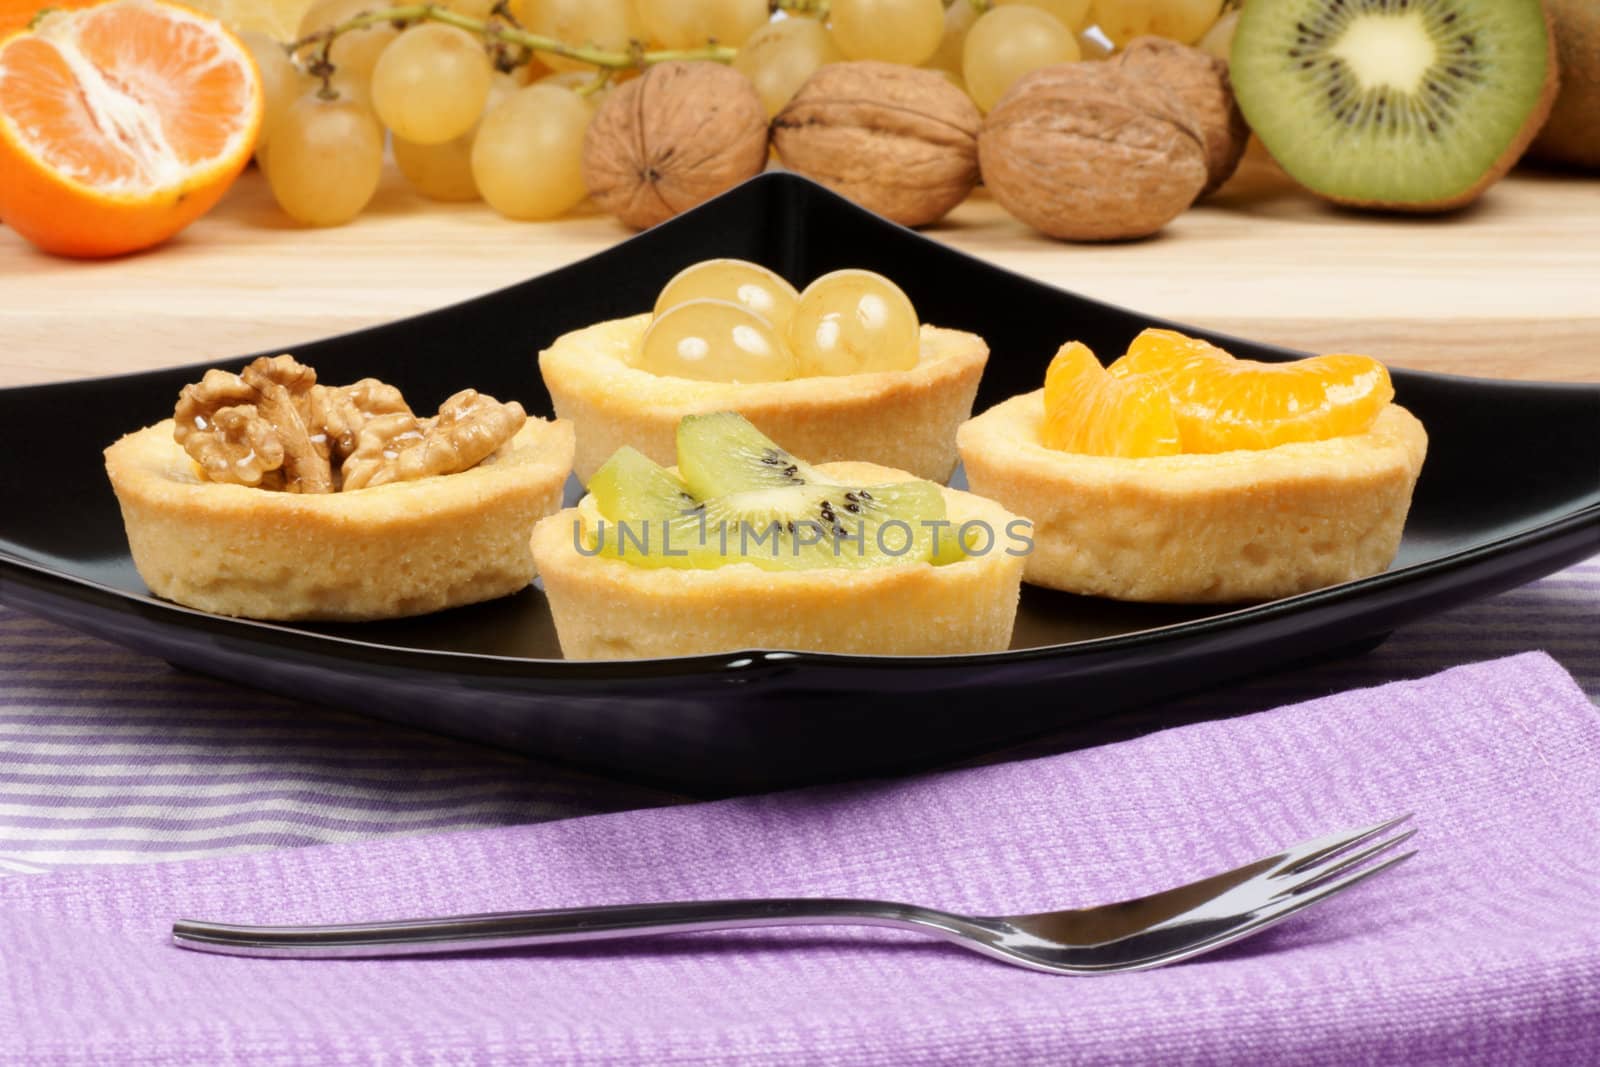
x: 1127, y: 936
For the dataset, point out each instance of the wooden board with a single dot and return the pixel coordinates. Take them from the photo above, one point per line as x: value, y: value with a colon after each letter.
x: 1508, y: 288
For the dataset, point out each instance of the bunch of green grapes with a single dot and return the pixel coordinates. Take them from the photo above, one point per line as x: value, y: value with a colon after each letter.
x: 460, y: 129
x: 463, y: 127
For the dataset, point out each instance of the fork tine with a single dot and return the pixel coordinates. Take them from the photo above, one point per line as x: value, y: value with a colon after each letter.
x: 1290, y: 903
x: 1249, y: 921
x: 1344, y: 862
x: 1310, y: 853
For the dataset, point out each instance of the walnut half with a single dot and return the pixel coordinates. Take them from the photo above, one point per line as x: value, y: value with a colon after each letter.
x: 400, y: 448
x: 284, y: 385
x: 218, y: 424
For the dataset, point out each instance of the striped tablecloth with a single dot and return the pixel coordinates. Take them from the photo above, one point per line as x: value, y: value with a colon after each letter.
x: 107, y: 756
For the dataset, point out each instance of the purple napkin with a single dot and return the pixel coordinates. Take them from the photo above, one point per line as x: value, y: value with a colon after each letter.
x: 1485, y: 948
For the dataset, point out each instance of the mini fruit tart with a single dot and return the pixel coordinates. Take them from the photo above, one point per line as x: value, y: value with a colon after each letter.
x: 745, y: 546
x: 269, y: 496
x: 841, y: 371
x: 1181, y: 474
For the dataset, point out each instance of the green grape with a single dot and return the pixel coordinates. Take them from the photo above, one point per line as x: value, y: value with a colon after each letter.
x: 444, y: 171
x: 355, y: 52
x: 781, y: 55
x: 958, y: 19
x: 281, y: 80
x: 737, y: 282
x: 895, y: 31
x: 1073, y: 14
x: 1218, y: 40
x: 325, y: 160
x: 606, y: 24
x: 430, y: 85
x: 438, y: 171
x: 343, y: 86
x: 715, y: 341
x: 1184, y: 21
x: 527, y: 160
x: 352, y: 87
x: 854, y: 322
x: 1008, y: 42
x: 689, y: 23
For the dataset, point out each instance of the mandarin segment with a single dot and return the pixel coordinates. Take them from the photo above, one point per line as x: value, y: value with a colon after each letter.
x: 1263, y: 405
x: 1089, y: 411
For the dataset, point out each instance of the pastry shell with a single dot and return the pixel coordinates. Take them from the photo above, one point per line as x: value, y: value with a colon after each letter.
x: 610, y: 609
x: 1217, y: 528
x: 902, y: 419
x: 405, y: 548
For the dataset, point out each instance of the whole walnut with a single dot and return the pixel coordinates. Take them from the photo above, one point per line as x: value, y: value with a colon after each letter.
x: 1084, y: 152
x: 1201, y: 82
x: 678, y: 135
x: 898, y: 140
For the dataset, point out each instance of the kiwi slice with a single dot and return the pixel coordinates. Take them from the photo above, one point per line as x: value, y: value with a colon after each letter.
x: 723, y: 453
x: 1411, y: 104
x: 779, y: 516
x: 630, y: 485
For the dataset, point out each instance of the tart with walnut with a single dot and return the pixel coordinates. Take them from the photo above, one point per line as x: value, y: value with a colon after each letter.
x: 270, y: 496
x: 843, y: 371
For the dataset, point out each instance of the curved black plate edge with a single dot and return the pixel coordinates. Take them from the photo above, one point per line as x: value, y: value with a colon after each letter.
x: 752, y: 664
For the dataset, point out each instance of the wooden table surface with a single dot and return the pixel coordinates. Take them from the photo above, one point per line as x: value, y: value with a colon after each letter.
x: 1509, y: 288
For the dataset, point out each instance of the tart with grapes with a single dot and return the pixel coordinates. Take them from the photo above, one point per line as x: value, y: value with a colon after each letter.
x: 743, y: 545
x: 1180, y: 474
x: 842, y: 371
x: 269, y: 496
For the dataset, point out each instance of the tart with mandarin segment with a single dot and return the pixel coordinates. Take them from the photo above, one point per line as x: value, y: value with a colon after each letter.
x: 269, y: 496
x: 1181, y: 474
x: 842, y: 371
x: 743, y: 545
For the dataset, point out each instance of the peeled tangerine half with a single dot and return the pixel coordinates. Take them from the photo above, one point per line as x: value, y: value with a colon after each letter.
x: 121, y: 124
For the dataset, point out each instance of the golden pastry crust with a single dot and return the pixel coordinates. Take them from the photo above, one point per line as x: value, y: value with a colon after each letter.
x: 610, y: 609
x: 1219, y: 528
x: 902, y: 419
x: 405, y: 548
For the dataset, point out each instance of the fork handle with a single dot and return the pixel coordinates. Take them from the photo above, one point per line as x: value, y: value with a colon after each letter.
x: 517, y: 929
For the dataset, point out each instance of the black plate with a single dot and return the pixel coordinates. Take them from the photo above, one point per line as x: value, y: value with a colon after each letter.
x: 1510, y: 491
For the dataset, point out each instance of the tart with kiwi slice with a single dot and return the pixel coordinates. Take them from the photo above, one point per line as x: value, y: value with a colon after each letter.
x: 1183, y: 475
x: 744, y: 545
x: 841, y: 371
x: 269, y: 496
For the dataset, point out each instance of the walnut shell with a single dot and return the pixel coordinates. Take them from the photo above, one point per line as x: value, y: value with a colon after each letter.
x: 897, y: 140
x: 1201, y: 82
x: 677, y: 136
x: 1084, y: 152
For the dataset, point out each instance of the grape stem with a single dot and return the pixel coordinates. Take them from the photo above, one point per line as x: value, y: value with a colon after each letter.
x: 817, y: 9
x: 980, y: 6
x: 499, y: 31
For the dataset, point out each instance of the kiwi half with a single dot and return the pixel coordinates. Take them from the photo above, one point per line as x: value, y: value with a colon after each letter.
x: 743, y: 499
x: 1407, y: 104
x: 1573, y: 133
